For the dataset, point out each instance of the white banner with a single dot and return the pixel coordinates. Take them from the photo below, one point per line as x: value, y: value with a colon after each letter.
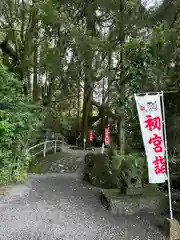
x: 150, y: 117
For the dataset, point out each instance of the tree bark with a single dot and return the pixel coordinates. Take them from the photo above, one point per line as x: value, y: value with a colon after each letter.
x: 35, y: 77
x: 87, y: 110
x: 103, y: 117
x: 122, y: 135
x: 78, y: 104
x: 121, y: 123
x: 89, y: 78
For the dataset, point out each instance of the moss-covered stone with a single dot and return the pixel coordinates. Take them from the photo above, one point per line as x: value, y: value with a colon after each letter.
x: 99, y: 172
x: 118, y: 203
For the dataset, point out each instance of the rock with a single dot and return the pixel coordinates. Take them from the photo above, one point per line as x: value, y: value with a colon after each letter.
x: 151, y: 200
x: 99, y: 172
x: 62, y: 171
x: 172, y: 229
x: 60, y: 165
x: 133, y: 191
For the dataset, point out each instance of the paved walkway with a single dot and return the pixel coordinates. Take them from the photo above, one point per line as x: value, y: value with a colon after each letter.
x: 63, y: 207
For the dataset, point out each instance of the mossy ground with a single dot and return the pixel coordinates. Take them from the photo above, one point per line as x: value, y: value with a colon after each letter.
x: 37, y: 165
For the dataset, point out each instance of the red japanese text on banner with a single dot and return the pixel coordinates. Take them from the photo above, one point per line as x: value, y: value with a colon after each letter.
x: 90, y: 135
x: 150, y: 117
x: 107, y: 136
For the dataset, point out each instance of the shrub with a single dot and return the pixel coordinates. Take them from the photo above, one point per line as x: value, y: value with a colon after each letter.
x: 17, y: 121
x: 131, y: 162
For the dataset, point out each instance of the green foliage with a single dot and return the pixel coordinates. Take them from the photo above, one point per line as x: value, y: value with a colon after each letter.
x: 129, y: 162
x: 60, y: 120
x: 75, y: 45
x: 110, y: 152
x: 16, y: 126
x: 120, y: 162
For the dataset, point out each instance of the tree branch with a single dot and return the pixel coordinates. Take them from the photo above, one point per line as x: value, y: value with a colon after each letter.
x: 9, y: 18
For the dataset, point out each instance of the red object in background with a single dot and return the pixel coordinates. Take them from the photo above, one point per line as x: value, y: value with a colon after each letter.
x: 107, y: 136
x: 90, y: 135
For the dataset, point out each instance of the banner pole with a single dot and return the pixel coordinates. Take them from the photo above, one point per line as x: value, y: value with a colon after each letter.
x: 152, y: 93
x: 167, y: 158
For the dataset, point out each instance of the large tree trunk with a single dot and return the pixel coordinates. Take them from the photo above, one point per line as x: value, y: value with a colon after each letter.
x: 35, y: 77
x: 87, y: 110
x: 121, y: 123
x: 122, y: 135
x: 103, y: 117
x: 88, y: 84
x: 47, y: 89
x: 78, y: 104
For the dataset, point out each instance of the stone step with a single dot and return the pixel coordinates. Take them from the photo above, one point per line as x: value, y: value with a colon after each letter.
x: 120, y: 204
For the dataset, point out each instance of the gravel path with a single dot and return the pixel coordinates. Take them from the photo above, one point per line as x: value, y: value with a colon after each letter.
x: 66, y: 161
x: 63, y: 207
